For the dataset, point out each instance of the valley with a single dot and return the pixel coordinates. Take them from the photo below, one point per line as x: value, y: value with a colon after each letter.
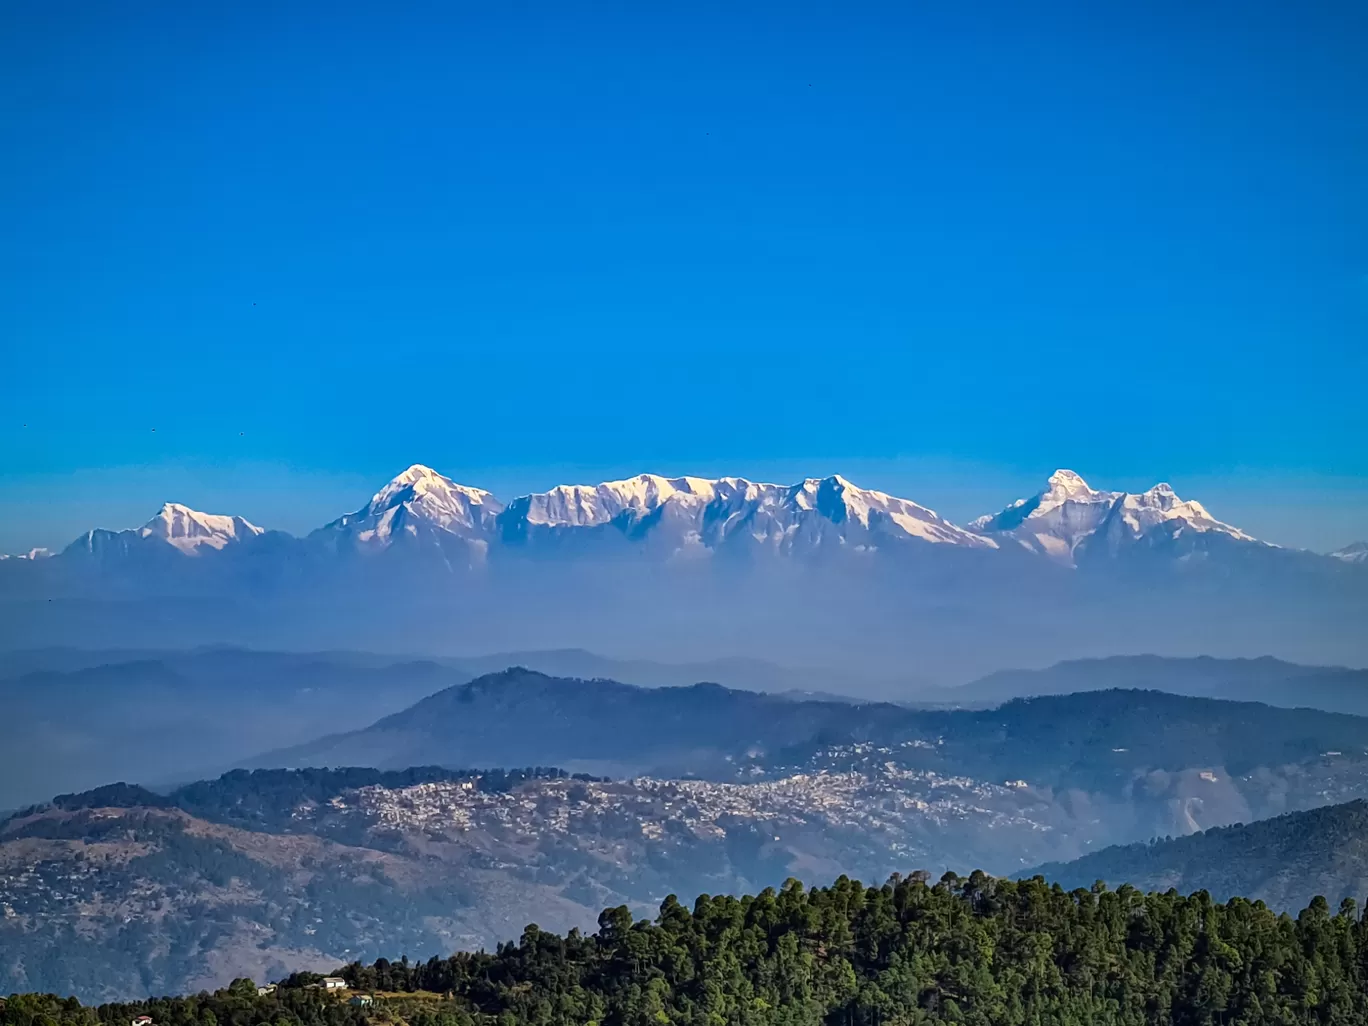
x: 684, y: 515
x: 123, y: 891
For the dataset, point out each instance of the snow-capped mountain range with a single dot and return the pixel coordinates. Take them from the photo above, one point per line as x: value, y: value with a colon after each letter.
x: 819, y: 569
x: 706, y: 514
x: 1067, y: 521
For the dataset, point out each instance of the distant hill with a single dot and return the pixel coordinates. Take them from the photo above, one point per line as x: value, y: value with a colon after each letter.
x: 77, y: 718
x: 180, y: 716
x: 521, y: 717
x: 1134, y: 763
x: 74, y: 721
x: 1284, y: 861
x: 1268, y: 680
x: 737, y: 672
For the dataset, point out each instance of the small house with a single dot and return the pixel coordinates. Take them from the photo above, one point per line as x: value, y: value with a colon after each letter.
x: 269, y: 988
x: 334, y: 983
x: 142, y: 1020
x: 362, y: 1001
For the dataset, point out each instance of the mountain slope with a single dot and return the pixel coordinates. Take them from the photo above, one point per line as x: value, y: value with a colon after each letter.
x: 1284, y: 861
x: 1142, y: 762
x: 965, y: 949
x: 120, y: 902
x: 121, y: 891
x: 521, y: 717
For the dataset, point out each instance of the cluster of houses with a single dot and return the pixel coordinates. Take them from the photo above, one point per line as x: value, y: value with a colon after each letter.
x: 337, y: 983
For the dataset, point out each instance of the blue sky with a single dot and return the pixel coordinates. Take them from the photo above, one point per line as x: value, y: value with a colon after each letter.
x: 259, y: 260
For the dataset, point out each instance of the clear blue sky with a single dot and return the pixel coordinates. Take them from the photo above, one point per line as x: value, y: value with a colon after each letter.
x: 943, y: 248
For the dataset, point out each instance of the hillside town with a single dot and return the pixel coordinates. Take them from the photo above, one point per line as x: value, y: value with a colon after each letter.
x: 880, y: 800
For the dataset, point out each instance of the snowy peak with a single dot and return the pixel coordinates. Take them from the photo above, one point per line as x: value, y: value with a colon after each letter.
x: 437, y: 496
x: 1069, y: 512
x: 418, y: 500
x: 711, y: 511
x: 1066, y: 486
x: 1055, y: 519
x: 189, y: 530
x: 1354, y: 553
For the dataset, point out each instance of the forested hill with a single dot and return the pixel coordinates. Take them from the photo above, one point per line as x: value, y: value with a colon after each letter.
x: 519, y: 717
x: 1268, y: 680
x: 975, y: 951
x: 1284, y: 861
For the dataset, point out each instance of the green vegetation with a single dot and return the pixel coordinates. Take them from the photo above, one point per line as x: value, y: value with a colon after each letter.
x: 1097, y: 741
x: 1285, y: 861
x: 974, y: 950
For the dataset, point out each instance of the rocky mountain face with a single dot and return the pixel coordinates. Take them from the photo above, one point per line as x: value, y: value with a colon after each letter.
x: 1070, y: 520
x: 727, y: 565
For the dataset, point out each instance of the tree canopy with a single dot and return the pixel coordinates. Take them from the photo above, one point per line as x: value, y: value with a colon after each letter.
x: 973, y: 950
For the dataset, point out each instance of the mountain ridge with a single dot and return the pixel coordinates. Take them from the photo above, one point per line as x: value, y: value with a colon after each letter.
x: 1053, y: 522
x: 1284, y: 861
x: 1262, y: 679
x: 705, y: 730
x: 786, y: 573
